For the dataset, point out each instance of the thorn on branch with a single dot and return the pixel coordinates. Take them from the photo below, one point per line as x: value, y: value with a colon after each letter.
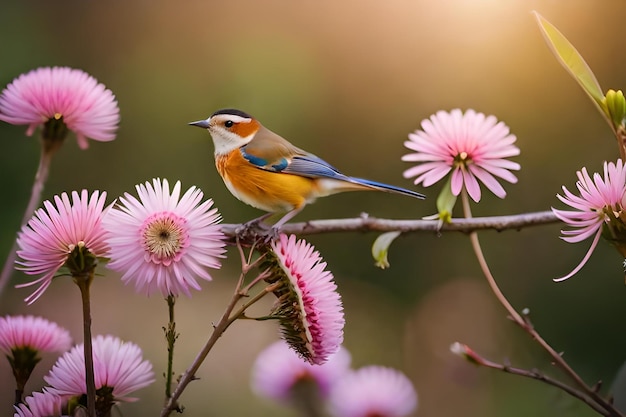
x: 597, y: 386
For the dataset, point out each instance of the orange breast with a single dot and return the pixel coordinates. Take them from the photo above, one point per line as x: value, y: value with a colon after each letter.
x: 265, y: 190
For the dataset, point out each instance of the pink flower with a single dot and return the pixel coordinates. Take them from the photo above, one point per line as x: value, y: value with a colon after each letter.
x: 278, y: 370
x: 471, y: 145
x: 600, y: 202
x: 35, y: 333
x: 85, y: 106
x: 311, y: 313
x: 119, y: 369
x: 373, y: 391
x: 40, y: 404
x: 22, y: 338
x: 164, y: 242
x: 47, y: 242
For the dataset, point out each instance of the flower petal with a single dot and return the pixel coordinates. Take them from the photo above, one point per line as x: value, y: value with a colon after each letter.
x: 472, y: 145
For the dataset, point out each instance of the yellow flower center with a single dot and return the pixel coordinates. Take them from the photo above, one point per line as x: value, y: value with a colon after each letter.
x: 462, y: 159
x: 164, y: 237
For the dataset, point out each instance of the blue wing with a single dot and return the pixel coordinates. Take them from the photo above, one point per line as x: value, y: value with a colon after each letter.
x: 271, y: 152
x: 263, y: 163
x: 311, y: 166
x: 306, y: 165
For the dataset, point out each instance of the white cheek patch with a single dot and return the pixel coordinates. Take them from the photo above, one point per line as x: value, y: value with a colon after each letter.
x: 226, y: 141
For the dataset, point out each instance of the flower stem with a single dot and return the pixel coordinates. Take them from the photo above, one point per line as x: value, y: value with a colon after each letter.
x: 23, y: 360
x: 225, y: 321
x: 525, y: 324
x: 515, y: 316
x: 620, y: 134
x: 35, y: 198
x: 84, y: 282
x: 228, y: 318
x: 307, y: 400
x: 170, y: 336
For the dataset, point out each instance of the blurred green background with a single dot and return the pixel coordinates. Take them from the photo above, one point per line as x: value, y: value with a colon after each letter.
x: 347, y: 80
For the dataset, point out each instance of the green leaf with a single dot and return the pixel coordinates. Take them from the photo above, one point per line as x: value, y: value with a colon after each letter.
x: 573, y: 62
x: 380, y: 248
x: 446, y: 201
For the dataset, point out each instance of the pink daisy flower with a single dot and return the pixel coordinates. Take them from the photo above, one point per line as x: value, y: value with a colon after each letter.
x: 470, y: 145
x: 278, y: 370
x: 35, y: 333
x: 85, y: 106
x: 22, y: 338
x: 600, y: 202
x: 47, y: 242
x: 309, y: 307
x: 373, y: 391
x: 164, y: 242
x: 40, y: 404
x: 119, y: 370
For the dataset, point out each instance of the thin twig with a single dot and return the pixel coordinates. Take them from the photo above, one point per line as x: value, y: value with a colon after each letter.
x: 479, y: 360
x: 190, y: 373
x: 225, y: 321
x: 228, y: 318
x: 527, y: 327
x: 35, y: 198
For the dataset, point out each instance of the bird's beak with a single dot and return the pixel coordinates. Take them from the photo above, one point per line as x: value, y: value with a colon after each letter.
x: 200, y: 123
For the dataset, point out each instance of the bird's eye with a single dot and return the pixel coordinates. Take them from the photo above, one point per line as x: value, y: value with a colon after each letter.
x: 229, y: 123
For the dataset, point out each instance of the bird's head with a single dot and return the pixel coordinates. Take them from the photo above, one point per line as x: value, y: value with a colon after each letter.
x: 230, y: 129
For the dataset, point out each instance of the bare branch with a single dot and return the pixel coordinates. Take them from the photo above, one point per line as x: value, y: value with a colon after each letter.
x: 366, y: 223
x: 597, y: 403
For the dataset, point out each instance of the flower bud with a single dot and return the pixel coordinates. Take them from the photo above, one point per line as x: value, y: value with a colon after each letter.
x: 615, y: 106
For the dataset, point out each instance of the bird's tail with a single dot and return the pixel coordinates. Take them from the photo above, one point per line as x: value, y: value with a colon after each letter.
x: 385, y: 187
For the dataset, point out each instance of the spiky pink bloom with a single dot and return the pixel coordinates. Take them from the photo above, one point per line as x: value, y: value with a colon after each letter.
x: 87, y: 107
x: 50, y: 236
x: 40, y: 404
x: 470, y: 145
x: 320, y: 311
x: 31, y: 332
x: 278, y: 370
x: 601, y: 201
x: 118, y: 366
x: 164, y: 242
x: 373, y: 391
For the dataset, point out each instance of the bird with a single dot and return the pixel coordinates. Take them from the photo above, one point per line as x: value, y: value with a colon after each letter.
x: 265, y: 171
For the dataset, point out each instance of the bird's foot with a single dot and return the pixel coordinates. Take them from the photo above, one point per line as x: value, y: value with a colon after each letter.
x: 257, y: 230
x: 272, y: 234
x: 252, y: 229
